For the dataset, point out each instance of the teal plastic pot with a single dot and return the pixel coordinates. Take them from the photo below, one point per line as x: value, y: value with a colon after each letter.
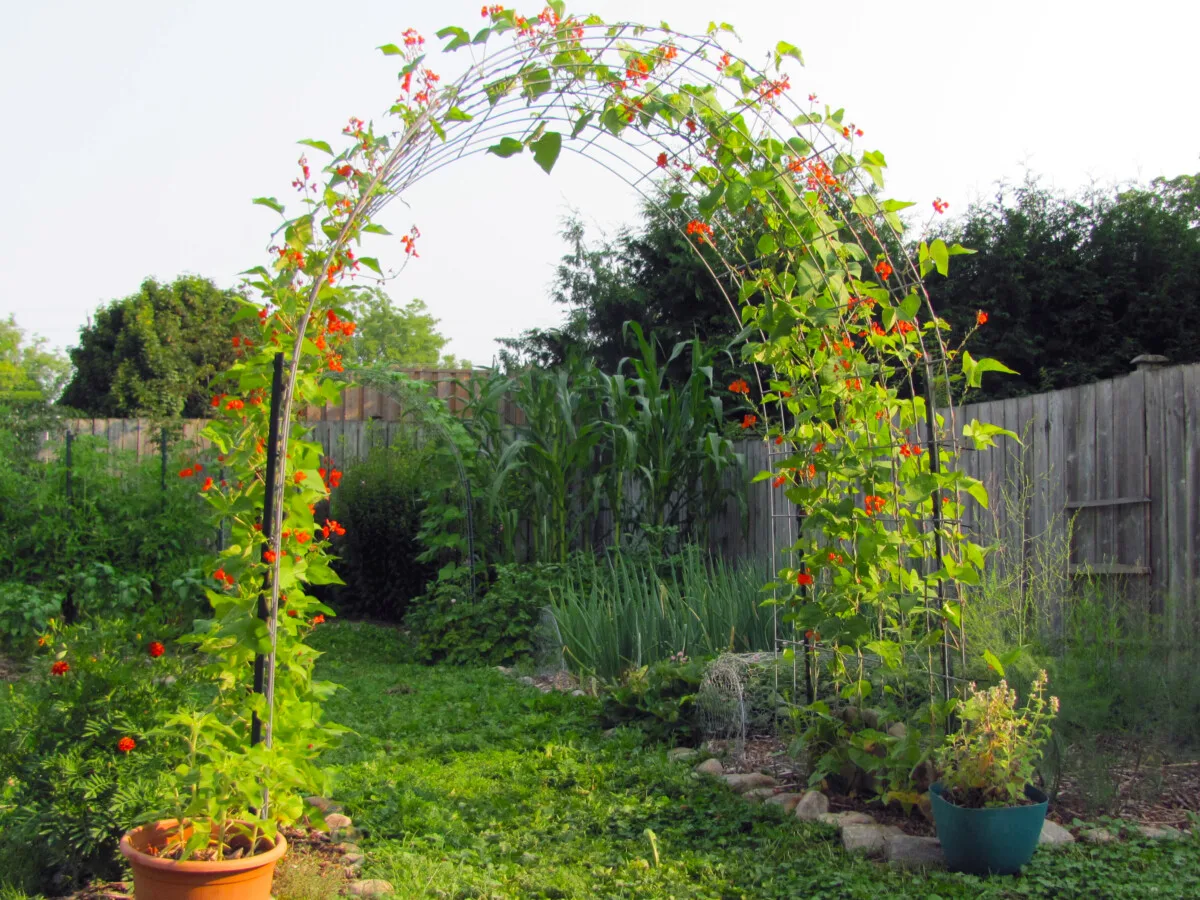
x: 988, y: 841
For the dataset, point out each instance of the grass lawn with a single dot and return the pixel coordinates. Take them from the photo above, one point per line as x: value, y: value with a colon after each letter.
x: 469, y: 785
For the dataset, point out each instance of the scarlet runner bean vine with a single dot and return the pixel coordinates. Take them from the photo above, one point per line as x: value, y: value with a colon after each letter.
x: 842, y: 324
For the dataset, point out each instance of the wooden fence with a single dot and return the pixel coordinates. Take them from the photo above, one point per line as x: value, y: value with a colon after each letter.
x: 1119, y: 460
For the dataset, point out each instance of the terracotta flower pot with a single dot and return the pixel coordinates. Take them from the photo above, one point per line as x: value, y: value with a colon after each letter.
x: 248, y: 878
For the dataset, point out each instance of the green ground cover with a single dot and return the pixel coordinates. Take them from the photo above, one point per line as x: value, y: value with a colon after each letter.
x: 469, y: 785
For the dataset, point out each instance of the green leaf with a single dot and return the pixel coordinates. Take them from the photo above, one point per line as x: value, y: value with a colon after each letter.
x: 460, y: 37
x: 390, y: 50
x: 318, y: 145
x: 506, y: 148
x: 737, y: 195
x: 372, y: 228
x: 676, y: 199
x: 581, y: 124
x: 767, y: 245
x: 783, y: 48
x: 270, y: 203
x: 546, y: 150
x: 454, y: 114
x: 993, y: 662
x: 536, y: 82
x: 371, y: 263
x: 941, y: 256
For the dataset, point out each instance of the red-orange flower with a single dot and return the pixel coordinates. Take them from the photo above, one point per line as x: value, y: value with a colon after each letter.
x: 318, y: 619
x: 700, y: 228
x: 883, y: 269
x: 186, y: 473
x: 156, y: 649
x: 981, y: 318
x: 749, y: 420
x: 61, y: 667
x: 873, y: 504
x: 269, y: 557
x: 803, y: 579
x: 299, y: 477
x: 779, y: 482
x: 208, y: 483
x: 662, y: 160
x: 740, y: 387
x: 940, y: 205
x: 126, y: 744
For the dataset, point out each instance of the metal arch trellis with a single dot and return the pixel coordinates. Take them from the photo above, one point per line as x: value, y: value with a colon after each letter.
x: 567, y: 75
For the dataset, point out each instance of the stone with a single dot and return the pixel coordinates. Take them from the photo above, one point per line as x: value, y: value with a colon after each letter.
x: 739, y: 784
x: 787, y: 801
x: 371, y: 887
x: 898, y: 730
x: 842, y: 819
x: 904, y: 851
x: 527, y: 680
x: 811, y: 806
x: 504, y: 670
x: 711, y: 767
x: 868, y: 840
x: 337, y: 820
x: 758, y: 795
x: 1097, y: 836
x: 871, y: 718
x: 1055, y: 835
x: 578, y: 693
x: 850, y: 715
x: 1160, y: 832
x: 681, y: 754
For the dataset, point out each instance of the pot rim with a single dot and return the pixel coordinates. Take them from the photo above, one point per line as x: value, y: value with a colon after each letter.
x: 1031, y: 791
x: 225, y: 866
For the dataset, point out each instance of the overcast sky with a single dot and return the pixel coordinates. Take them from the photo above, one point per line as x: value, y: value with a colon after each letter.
x: 137, y: 132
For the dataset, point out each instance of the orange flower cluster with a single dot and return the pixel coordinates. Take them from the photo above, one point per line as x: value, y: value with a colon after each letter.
x: 803, y: 579
x: 940, y: 205
x: 702, y: 229
x: 409, y: 241
x: 780, y: 481
x: 740, y: 387
x: 332, y: 477
x: 903, y: 327
x: 662, y: 160
x: 873, y: 504
x: 981, y: 318
x: 332, y: 527
x: 61, y: 667
x: 911, y: 450
x: 492, y: 11
x: 769, y: 90
x: 224, y: 577
x: 883, y: 269
x: 156, y: 649
x: 851, y: 130
x: 126, y: 744
x: 748, y: 421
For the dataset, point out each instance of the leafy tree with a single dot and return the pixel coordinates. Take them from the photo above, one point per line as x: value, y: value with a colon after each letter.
x: 28, y: 371
x: 405, y: 336
x: 156, y: 353
x: 1076, y: 286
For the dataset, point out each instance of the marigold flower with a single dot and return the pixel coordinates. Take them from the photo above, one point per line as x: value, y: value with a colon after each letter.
x: 126, y: 744
x: 156, y: 649
x: 749, y: 420
x: 61, y: 667
x: 42, y: 641
x: 803, y: 579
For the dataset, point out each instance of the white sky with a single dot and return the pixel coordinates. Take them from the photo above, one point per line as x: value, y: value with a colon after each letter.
x: 137, y: 132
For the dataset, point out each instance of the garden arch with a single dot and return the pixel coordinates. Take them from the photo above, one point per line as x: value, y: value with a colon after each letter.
x: 784, y: 210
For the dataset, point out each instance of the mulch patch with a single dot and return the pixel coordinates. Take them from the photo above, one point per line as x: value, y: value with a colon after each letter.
x: 1157, y: 791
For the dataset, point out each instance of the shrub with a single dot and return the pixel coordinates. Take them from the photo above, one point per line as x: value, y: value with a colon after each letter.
x: 493, y: 629
x: 70, y: 783
x: 659, y: 698
x: 379, y: 503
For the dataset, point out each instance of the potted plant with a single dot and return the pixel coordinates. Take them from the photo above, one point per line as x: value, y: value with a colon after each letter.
x: 988, y: 815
